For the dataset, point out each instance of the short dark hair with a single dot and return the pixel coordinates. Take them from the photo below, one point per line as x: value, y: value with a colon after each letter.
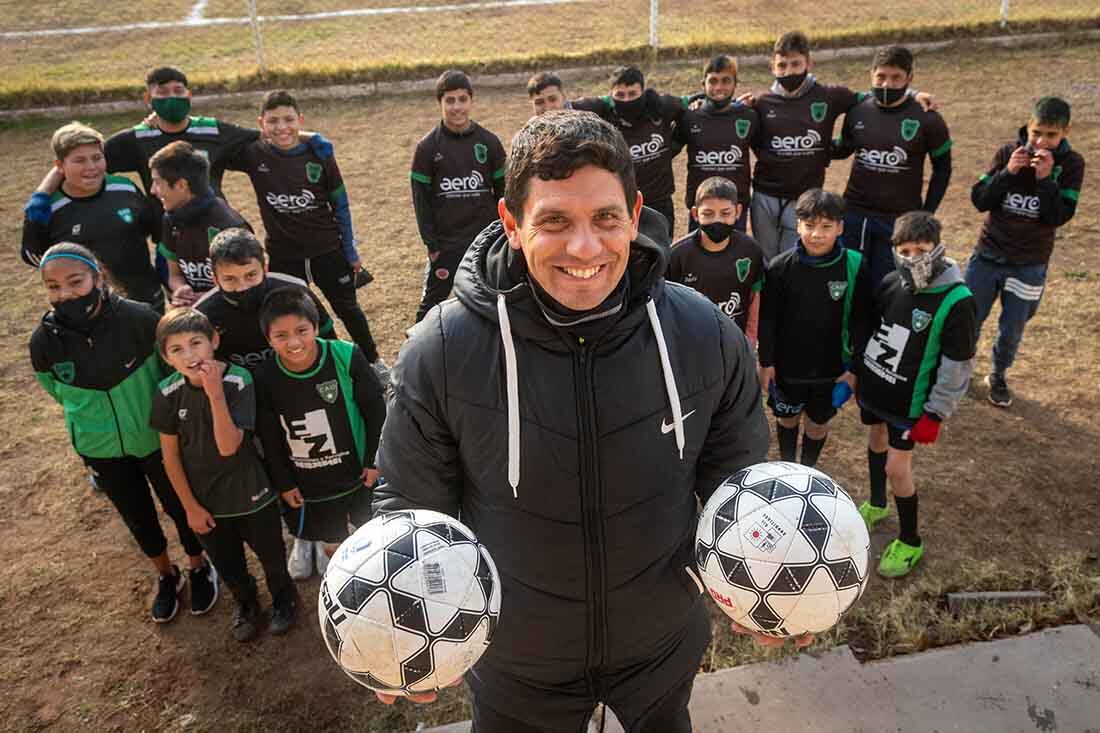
x: 71, y: 251
x: 163, y: 75
x: 450, y: 80
x: 182, y: 320
x: 721, y: 62
x: 916, y: 226
x: 792, y: 43
x: 896, y: 56
x: 818, y: 202
x: 541, y: 81
x: 288, y: 302
x: 716, y: 187
x: 278, y: 98
x: 1051, y: 111
x: 235, y: 246
x: 627, y: 75
x: 180, y: 160
x: 554, y: 145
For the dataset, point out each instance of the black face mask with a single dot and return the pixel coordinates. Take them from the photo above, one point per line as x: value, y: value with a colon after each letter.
x: 247, y: 301
x: 79, y: 312
x: 889, y: 97
x: 631, y: 110
x: 791, y: 82
x: 717, y: 231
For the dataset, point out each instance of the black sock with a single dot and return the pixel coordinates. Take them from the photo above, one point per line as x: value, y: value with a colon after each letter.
x: 788, y: 442
x: 811, y: 449
x: 907, y: 518
x: 876, y: 466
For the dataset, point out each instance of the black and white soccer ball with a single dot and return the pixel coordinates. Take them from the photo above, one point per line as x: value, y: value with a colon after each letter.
x: 409, y: 602
x: 782, y: 549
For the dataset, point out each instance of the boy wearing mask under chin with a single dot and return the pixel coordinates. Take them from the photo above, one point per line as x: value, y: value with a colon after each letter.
x: 915, y: 369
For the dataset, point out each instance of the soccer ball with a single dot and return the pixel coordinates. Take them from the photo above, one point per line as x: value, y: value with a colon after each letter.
x: 409, y: 602
x: 782, y: 549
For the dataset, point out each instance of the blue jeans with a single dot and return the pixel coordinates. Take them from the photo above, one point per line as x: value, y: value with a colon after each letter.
x: 870, y: 235
x: 1019, y: 287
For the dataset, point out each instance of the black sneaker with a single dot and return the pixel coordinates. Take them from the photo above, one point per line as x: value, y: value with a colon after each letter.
x: 204, y: 588
x: 167, y: 602
x: 999, y: 393
x: 284, y: 611
x: 244, y: 620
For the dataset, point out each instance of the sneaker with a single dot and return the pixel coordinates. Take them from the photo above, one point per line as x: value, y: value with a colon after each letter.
x: 244, y: 620
x: 872, y: 514
x: 999, y: 394
x: 300, y: 565
x: 320, y: 556
x: 204, y: 588
x: 899, y: 558
x: 167, y: 602
x: 382, y: 369
x: 284, y: 611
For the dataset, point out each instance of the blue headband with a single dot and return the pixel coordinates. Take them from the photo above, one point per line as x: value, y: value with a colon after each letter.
x: 68, y: 255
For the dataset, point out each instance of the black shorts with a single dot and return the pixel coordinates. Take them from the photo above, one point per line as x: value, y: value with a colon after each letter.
x: 896, y: 432
x: 791, y: 400
x: 326, y: 521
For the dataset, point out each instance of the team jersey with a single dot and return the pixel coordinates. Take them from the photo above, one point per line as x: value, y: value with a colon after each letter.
x: 296, y: 191
x: 116, y: 224
x: 813, y: 314
x: 464, y: 177
x: 1024, y: 212
x: 718, y: 143
x: 729, y: 278
x: 187, y: 234
x: 890, y: 145
x: 226, y: 486
x: 912, y: 334
x: 650, y: 138
x: 792, y: 149
x: 314, y: 424
x: 240, y: 339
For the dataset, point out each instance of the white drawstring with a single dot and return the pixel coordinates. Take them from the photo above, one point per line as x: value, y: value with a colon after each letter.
x: 670, y: 381
x: 511, y: 378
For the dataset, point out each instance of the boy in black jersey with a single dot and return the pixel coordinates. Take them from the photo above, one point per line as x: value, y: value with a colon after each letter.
x: 457, y: 178
x: 77, y: 202
x: 193, y: 215
x: 206, y: 413
x: 1030, y: 189
x: 915, y: 369
x: 813, y: 325
x: 718, y: 260
x: 322, y: 410
x: 240, y: 271
x: 546, y: 93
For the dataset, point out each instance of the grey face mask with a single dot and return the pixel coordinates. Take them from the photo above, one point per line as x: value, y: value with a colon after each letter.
x: 918, y: 272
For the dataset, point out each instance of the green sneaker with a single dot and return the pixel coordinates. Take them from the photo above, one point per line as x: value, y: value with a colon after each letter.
x: 898, y: 559
x: 872, y: 514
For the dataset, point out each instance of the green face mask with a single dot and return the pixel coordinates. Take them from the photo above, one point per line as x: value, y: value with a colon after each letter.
x: 172, y: 109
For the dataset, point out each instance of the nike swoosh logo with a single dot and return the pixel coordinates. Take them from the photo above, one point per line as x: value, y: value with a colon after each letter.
x: 131, y: 362
x: 667, y: 428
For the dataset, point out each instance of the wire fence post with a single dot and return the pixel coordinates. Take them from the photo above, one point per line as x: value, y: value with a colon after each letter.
x: 1004, y: 12
x: 654, y: 12
x: 257, y: 38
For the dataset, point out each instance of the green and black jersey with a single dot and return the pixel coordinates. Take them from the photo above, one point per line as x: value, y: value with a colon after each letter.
x: 718, y: 144
x: 729, y: 278
x: 104, y: 379
x: 116, y: 224
x: 187, y: 234
x: 320, y: 427
x: 226, y: 486
x: 813, y: 322
x: 913, y: 334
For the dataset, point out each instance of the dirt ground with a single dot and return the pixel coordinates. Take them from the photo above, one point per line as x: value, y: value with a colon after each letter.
x: 1016, y: 489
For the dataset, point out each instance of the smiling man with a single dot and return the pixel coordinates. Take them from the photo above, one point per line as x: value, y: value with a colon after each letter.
x: 575, y: 408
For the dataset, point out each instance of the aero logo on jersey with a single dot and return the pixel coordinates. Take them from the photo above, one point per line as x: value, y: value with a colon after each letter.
x: 1021, y: 205
x: 292, y: 203
x: 731, y: 307
x: 883, y: 353
x: 884, y: 161
x: 649, y: 150
x: 471, y: 184
x: 719, y: 158
x: 798, y: 144
x: 198, y: 273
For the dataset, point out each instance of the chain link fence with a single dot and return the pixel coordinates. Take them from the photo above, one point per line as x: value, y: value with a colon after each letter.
x: 89, y: 48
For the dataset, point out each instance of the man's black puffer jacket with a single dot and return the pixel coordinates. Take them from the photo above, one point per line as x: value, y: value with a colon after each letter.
x: 594, y: 540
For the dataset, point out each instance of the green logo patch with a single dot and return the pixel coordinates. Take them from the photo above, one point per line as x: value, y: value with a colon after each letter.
x: 909, y: 129
x: 742, y: 127
x: 744, y: 265
x: 126, y: 215
x: 65, y: 371
x: 837, y: 289
x: 313, y: 172
x: 818, y: 110
x: 1055, y: 172
x: 481, y: 153
x: 328, y: 390
x: 921, y: 319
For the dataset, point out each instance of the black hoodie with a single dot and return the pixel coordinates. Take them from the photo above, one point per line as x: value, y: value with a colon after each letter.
x: 584, y: 488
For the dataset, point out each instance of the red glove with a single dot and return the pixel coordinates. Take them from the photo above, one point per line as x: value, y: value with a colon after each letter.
x: 926, y: 430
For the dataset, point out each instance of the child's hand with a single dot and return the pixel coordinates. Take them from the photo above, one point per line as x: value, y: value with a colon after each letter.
x: 370, y: 477
x: 748, y: 99
x: 926, y: 101
x: 293, y: 498
x: 766, y: 375
x: 211, y: 371
x: 183, y: 296
x: 199, y: 520
x: 771, y: 641
x: 849, y: 378
x: 1021, y: 158
x: 1043, y: 163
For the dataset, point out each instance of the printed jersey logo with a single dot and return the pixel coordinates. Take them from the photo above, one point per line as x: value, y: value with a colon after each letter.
x: 76, y: 230
x: 313, y: 172
x: 199, y: 275
x: 311, y: 441
x: 742, y: 128
x: 126, y: 215
x: 744, y: 266
x: 732, y: 306
x: 884, y: 161
x: 667, y: 428
x: 883, y: 353
x: 262, y: 168
x: 328, y: 391
x: 182, y: 413
x: 464, y: 186
x: 837, y: 288
x: 818, y: 110
x: 797, y: 145
x: 921, y: 319
x: 719, y: 158
x: 690, y: 277
x: 909, y: 129
x: 1021, y: 204
x: 481, y: 153
x: 649, y: 150
x: 292, y: 203
x: 65, y: 371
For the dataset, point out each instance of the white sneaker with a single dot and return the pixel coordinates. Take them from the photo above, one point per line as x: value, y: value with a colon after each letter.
x: 382, y: 369
x: 320, y: 557
x: 300, y: 565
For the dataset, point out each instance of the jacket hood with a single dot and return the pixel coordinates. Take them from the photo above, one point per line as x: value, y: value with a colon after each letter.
x: 950, y: 276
